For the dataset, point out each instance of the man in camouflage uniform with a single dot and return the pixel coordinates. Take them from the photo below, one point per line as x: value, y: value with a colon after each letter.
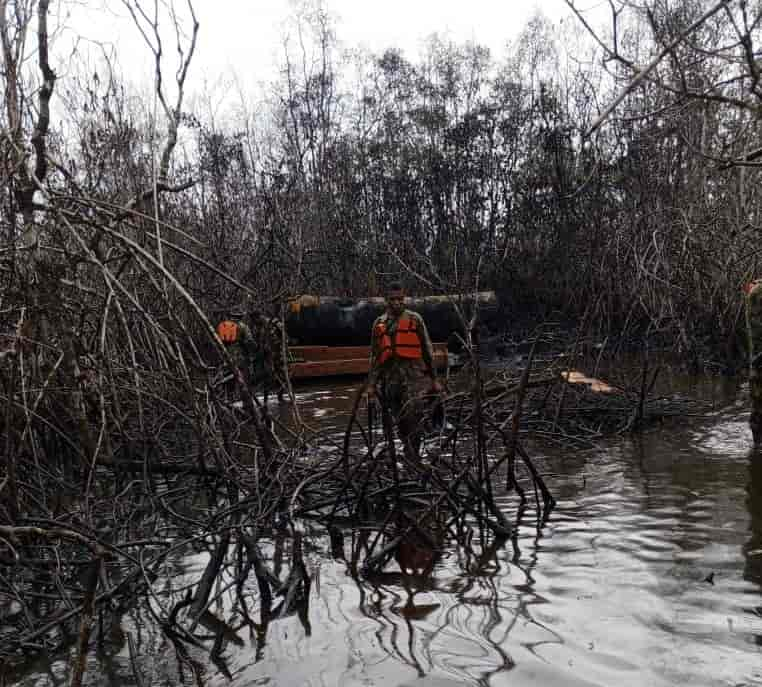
x: 754, y: 331
x: 242, y: 348
x: 402, y: 368
x: 269, y: 339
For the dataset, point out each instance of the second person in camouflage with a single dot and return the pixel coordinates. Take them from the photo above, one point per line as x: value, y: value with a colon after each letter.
x: 242, y: 348
x: 270, y: 341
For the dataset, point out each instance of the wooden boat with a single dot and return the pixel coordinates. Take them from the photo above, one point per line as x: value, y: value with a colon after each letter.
x: 334, y: 361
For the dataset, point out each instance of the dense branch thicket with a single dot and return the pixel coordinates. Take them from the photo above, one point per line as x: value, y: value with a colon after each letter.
x: 128, y: 228
x: 448, y: 170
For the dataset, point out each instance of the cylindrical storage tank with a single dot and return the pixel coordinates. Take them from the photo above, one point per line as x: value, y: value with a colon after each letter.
x: 333, y: 321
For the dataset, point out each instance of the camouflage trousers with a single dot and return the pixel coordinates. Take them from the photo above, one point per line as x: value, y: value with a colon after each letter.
x: 402, y: 392
x: 755, y: 393
x: 260, y: 373
x: 271, y: 377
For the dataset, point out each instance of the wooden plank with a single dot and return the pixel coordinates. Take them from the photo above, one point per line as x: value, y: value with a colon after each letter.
x: 596, y: 385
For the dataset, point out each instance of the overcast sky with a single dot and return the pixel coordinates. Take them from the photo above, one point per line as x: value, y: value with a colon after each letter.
x: 245, y: 36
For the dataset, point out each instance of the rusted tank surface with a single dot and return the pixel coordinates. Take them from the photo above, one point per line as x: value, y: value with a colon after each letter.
x: 336, y: 321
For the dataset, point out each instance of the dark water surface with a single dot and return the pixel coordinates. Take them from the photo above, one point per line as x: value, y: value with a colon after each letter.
x: 612, y: 590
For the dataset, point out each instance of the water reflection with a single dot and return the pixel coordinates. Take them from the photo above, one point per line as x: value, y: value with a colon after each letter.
x: 753, y: 548
x: 612, y: 590
x: 438, y: 620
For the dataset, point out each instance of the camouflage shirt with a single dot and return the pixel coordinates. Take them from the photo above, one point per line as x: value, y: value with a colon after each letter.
x: 427, y: 349
x: 244, y: 351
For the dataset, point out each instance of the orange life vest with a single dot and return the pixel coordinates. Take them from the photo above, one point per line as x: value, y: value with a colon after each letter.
x: 228, y: 331
x: 405, y: 344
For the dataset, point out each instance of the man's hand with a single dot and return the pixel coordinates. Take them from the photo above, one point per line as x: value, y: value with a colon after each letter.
x: 436, y: 387
x: 370, y: 392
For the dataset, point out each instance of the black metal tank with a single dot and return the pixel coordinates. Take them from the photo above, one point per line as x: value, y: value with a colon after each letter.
x: 336, y: 321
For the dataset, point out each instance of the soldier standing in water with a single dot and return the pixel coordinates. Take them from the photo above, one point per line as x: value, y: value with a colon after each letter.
x: 257, y: 351
x: 270, y: 341
x: 401, y: 367
x: 241, y: 346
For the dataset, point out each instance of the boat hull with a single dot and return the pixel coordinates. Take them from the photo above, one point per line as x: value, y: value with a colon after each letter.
x: 311, y: 362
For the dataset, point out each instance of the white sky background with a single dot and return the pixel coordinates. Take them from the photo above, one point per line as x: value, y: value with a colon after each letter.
x: 240, y: 43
